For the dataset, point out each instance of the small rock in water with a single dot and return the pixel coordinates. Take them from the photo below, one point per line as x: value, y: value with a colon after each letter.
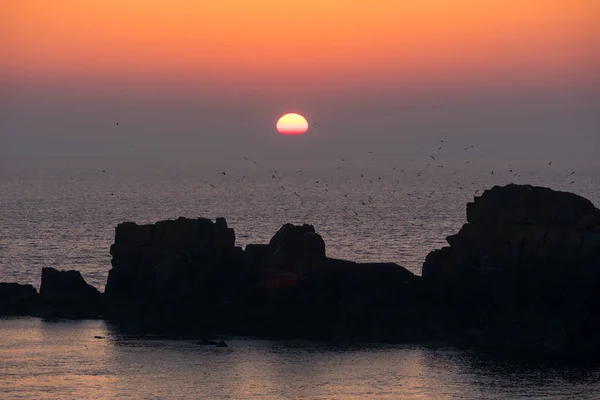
x: 222, y: 344
x: 207, y: 343
x: 98, y: 337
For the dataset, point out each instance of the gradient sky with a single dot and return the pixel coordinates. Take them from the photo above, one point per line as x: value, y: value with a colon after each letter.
x: 210, y: 78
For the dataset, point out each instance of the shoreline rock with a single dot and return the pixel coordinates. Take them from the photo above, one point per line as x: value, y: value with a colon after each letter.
x: 65, y: 294
x: 17, y: 299
x: 524, y: 269
x: 523, y: 272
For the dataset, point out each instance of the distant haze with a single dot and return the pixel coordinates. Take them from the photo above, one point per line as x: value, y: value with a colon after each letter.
x: 206, y: 81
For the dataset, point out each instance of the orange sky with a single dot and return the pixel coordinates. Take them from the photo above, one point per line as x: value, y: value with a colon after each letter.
x: 322, y: 41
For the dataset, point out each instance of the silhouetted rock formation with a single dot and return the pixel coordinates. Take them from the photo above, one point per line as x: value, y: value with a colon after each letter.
x: 17, y: 299
x: 65, y: 294
x: 295, y: 248
x: 187, y: 275
x: 524, y: 270
x: 359, y: 301
x: 174, y: 274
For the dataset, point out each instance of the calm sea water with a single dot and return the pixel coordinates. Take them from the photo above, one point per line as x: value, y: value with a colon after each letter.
x: 64, y: 215
x: 52, y: 360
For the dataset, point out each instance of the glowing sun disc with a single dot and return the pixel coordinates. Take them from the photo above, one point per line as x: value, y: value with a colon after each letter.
x: 292, y: 124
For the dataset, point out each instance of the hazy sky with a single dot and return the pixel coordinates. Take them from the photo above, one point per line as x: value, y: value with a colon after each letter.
x: 209, y: 79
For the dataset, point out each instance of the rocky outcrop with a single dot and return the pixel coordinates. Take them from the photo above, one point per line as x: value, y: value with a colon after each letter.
x: 294, y: 253
x: 193, y: 278
x: 148, y: 257
x: 525, y: 269
x: 65, y: 294
x: 296, y: 248
x: 17, y: 299
x: 345, y: 300
x: 174, y: 274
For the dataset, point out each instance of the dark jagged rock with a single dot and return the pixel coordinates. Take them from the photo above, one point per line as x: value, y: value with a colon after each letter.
x: 296, y: 248
x: 221, y: 343
x: 345, y: 300
x: 65, y: 294
x: 17, y: 299
x: 187, y: 281
x: 146, y: 257
x: 524, y: 270
x: 178, y: 274
x: 527, y: 205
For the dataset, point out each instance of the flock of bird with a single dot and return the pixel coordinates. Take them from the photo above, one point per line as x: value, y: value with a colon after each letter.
x: 323, y: 185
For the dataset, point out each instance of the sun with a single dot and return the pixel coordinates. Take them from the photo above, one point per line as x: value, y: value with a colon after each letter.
x: 292, y: 124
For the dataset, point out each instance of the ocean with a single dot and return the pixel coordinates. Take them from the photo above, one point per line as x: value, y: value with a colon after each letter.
x: 63, y: 360
x: 63, y: 215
